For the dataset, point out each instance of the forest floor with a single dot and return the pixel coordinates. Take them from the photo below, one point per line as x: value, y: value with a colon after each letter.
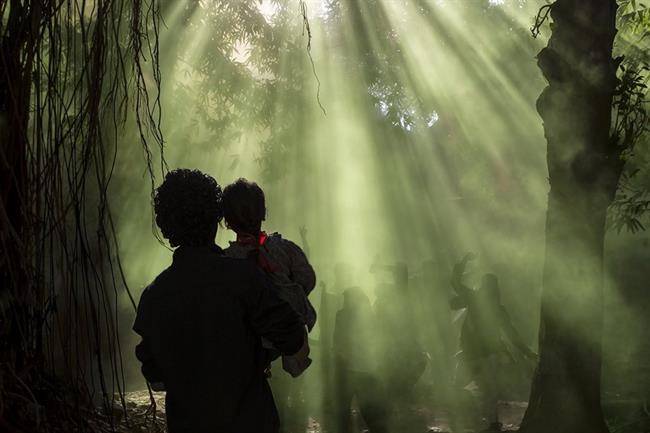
x: 410, y: 420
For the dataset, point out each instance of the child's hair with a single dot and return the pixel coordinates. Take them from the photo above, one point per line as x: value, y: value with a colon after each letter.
x: 244, y: 206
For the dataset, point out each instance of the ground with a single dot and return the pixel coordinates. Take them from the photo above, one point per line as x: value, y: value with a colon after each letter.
x: 413, y: 420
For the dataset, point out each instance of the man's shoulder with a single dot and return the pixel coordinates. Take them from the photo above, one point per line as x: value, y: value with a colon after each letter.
x: 220, y: 271
x: 149, y: 299
x: 215, y: 265
x: 157, y: 283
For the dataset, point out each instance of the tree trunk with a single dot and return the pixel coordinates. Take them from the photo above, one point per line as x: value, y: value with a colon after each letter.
x: 584, y: 167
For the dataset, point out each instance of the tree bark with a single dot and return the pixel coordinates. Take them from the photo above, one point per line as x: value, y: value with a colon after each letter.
x: 584, y: 168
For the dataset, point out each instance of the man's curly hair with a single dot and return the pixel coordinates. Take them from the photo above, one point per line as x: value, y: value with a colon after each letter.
x: 188, y: 207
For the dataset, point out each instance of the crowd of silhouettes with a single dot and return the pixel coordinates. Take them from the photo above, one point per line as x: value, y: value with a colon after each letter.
x: 421, y: 338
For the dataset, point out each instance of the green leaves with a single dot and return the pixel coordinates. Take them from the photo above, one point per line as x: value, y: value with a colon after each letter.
x: 634, y: 17
x: 629, y: 207
x: 630, y: 130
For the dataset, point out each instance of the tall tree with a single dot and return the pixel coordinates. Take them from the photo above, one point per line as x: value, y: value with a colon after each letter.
x: 584, y: 164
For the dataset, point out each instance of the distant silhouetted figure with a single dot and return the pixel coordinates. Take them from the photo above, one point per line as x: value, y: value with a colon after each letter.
x: 202, y: 319
x: 402, y: 355
x: 487, y: 338
x: 356, y: 363
x: 244, y: 208
x: 330, y: 302
x: 435, y: 293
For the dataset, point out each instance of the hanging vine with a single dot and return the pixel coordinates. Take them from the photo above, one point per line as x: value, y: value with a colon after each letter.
x: 73, y: 75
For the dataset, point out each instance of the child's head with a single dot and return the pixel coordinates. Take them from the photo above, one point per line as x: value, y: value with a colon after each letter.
x: 244, y: 206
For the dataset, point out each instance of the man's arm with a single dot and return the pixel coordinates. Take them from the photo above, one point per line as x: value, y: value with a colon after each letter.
x: 457, y: 278
x: 143, y: 352
x: 149, y: 368
x: 273, y: 318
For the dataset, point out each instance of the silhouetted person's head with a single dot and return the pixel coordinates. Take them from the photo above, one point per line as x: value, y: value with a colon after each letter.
x: 401, y: 274
x: 244, y: 206
x: 188, y: 208
x: 354, y: 298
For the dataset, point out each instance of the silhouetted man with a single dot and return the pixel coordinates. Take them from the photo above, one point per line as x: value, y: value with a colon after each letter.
x: 488, y: 339
x: 202, y: 318
x: 356, y: 363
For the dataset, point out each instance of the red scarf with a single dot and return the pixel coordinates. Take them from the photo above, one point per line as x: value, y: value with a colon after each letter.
x: 259, y: 243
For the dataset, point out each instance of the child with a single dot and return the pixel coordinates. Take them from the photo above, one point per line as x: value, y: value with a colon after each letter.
x: 285, y: 263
